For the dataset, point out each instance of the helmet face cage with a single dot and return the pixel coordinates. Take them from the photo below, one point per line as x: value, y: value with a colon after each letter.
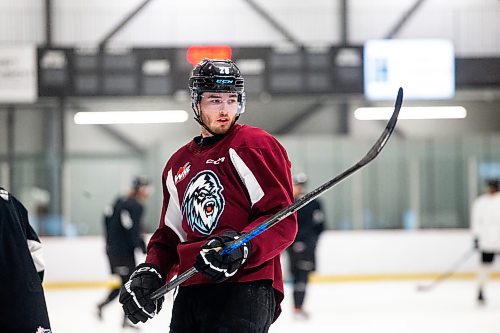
x: 214, y: 75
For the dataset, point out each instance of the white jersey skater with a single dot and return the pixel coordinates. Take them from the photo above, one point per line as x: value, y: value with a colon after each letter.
x: 485, y: 222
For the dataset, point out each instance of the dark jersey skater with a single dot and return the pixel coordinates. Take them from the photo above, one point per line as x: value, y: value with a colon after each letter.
x: 302, y: 252
x: 21, y: 271
x: 224, y: 182
x: 123, y: 228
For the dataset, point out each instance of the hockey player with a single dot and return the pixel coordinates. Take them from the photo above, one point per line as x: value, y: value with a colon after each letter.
x: 222, y: 183
x: 123, y: 227
x: 302, y: 252
x: 485, y: 224
x: 22, y: 267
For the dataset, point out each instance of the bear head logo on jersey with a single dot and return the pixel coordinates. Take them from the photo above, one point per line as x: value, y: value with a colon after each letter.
x: 203, y: 202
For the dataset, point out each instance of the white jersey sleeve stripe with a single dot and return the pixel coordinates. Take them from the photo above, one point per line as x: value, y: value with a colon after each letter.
x: 36, y: 251
x: 254, y: 190
x: 173, y: 216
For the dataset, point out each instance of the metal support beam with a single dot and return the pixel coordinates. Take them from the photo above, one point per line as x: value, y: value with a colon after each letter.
x: 275, y: 24
x: 344, y: 22
x: 109, y: 130
x: 122, y: 23
x: 10, y: 147
x: 54, y: 142
x: 121, y: 138
x: 48, y: 23
x: 397, y: 27
x: 299, y: 118
x: 343, y: 119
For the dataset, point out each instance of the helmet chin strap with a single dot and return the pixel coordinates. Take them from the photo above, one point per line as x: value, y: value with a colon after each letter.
x: 199, y: 121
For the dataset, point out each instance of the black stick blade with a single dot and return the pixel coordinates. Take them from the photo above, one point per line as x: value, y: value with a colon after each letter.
x: 391, y: 124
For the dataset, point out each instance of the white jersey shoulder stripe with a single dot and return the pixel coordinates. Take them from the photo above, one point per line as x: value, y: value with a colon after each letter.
x: 173, y: 215
x: 4, y: 194
x: 247, y: 177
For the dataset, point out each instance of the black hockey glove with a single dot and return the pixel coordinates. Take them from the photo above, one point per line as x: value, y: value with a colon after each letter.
x: 135, y: 294
x: 211, y: 263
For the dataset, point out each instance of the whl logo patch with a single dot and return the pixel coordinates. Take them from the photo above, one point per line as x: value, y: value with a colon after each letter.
x: 182, y: 172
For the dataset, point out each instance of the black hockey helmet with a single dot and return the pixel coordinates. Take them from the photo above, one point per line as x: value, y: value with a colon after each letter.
x: 216, y: 75
x: 493, y: 184
x: 140, y: 181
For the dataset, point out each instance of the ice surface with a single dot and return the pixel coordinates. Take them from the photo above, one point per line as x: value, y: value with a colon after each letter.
x: 385, y: 307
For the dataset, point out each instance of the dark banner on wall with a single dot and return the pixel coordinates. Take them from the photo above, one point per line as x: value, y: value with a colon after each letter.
x: 164, y: 71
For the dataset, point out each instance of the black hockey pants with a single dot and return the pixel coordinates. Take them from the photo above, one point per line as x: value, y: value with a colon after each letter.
x: 224, y: 308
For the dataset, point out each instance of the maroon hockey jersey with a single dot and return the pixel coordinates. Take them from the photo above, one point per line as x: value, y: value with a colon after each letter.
x: 233, y: 184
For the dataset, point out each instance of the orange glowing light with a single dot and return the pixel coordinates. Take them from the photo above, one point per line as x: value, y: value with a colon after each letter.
x: 196, y: 53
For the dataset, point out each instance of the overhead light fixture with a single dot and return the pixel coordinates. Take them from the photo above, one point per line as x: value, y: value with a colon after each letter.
x: 419, y: 112
x: 131, y: 117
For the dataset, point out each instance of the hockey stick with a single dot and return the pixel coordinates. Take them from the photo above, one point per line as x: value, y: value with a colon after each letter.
x: 282, y: 214
x: 453, y: 269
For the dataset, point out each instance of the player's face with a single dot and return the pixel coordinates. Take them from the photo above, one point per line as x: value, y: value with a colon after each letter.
x: 143, y: 192
x: 218, y: 111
